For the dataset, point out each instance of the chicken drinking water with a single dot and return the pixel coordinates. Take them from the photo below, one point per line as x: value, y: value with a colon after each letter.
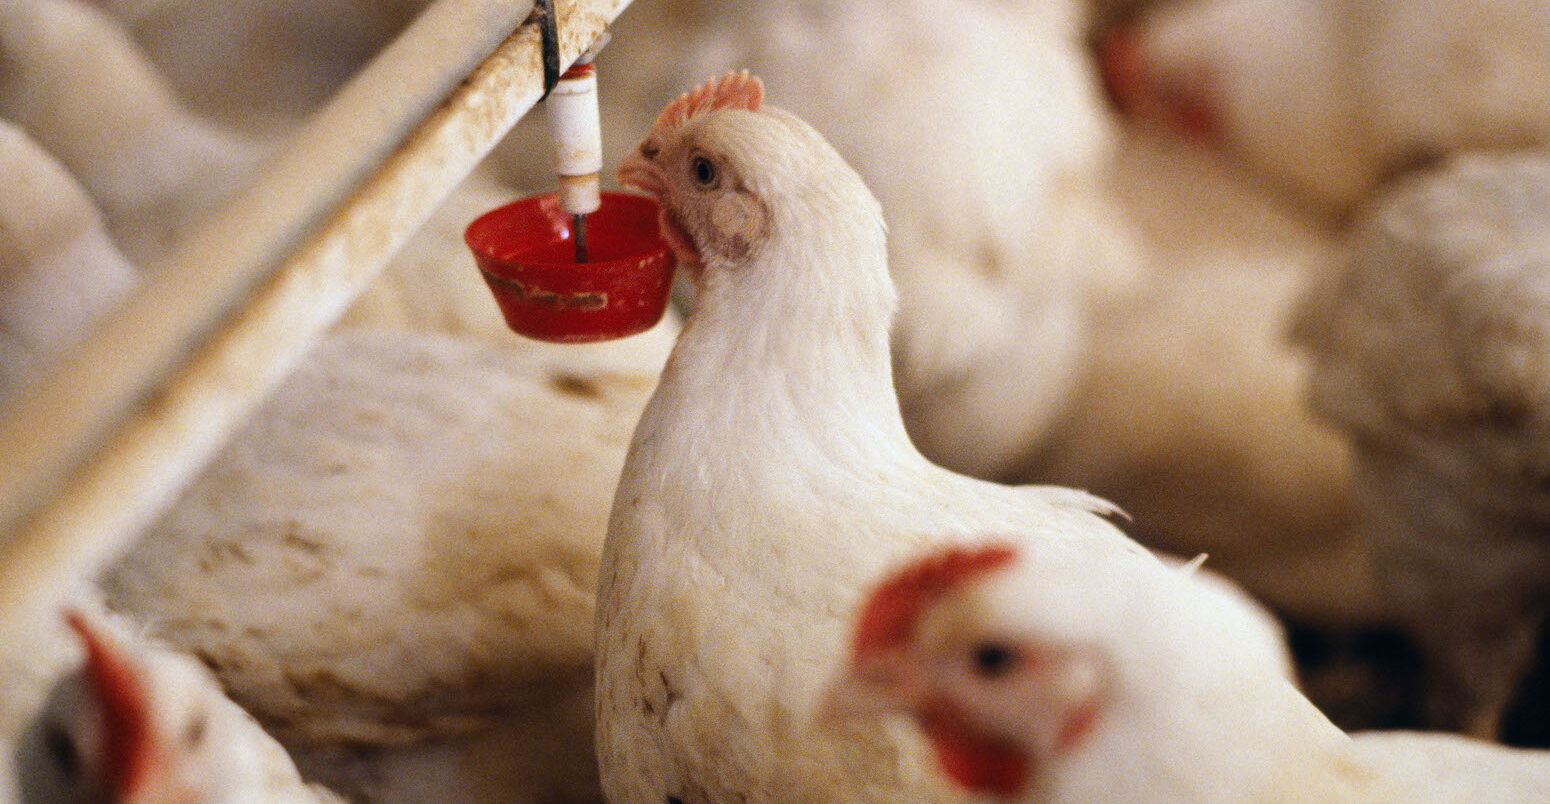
x: 771, y: 476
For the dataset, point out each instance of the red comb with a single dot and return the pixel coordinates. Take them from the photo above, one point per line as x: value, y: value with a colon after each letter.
x: 735, y: 90
x: 890, y: 615
x: 118, y: 689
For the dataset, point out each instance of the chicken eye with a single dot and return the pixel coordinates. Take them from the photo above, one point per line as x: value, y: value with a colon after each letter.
x: 993, y: 659
x: 62, y: 750
x: 704, y: 171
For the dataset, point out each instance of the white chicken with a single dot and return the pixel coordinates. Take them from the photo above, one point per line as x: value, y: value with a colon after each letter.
x: 141, y: 724
x: 108, y: 115
x: 1332, y: 96
x: 771, y: 475
x: 998, y: 231
x: 403, y: 541
x: 43, y: 649
x: 59, y: 272
x: 1033, y: 684
x: 1431, y: 351
x: 393, y: 565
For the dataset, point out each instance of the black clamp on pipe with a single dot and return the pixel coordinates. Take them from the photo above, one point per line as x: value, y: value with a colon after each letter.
x: 549, y: 34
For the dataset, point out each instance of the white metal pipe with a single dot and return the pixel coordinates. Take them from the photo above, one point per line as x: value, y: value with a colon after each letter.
x: 99, y: 448
x: 576, y: 135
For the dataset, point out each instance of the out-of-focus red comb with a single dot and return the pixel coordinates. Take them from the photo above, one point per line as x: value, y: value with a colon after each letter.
x: 120, y: 693
x: 735, y: 90
x: 890, y: 615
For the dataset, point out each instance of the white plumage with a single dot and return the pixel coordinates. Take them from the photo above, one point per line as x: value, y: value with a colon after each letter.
x: 403, y: 540
x: 1000, y: 238
x: 1437, y: 767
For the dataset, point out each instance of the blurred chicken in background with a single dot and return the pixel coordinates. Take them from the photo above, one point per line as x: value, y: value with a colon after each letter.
x: 152, y: 165
x: 1330, y: 97
x: 59, y: 271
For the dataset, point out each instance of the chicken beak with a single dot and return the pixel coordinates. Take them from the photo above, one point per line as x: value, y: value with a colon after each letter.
x: 868, y: 689
x: 1075, y: 695
x: 638, y: 172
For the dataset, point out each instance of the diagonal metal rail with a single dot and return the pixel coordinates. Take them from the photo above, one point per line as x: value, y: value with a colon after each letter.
x: 99, y: 448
